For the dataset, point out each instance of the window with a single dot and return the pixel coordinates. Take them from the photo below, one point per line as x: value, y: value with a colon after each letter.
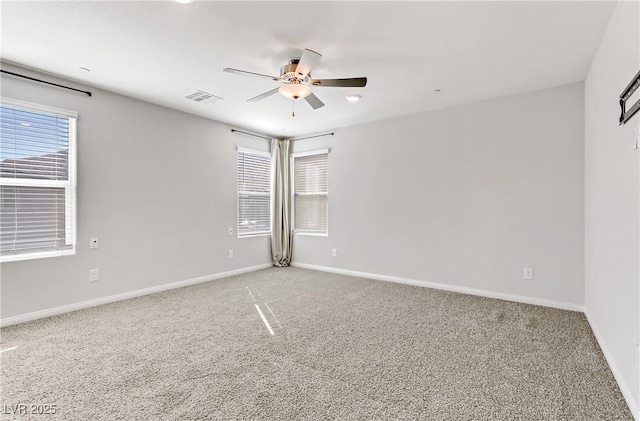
x: 254, y: 193
x: 310, y: 191
x: 37, y: 181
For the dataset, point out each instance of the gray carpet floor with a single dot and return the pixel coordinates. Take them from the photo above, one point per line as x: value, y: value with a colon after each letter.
x: 342, y: 348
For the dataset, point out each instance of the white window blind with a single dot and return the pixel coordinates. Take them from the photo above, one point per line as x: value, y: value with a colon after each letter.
x: 37, y: 183
x: 311, y: 187
x: 254, y: 192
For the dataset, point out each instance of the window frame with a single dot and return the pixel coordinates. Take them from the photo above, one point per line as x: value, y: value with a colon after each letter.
x: 293, y: 193
x: 244, y: 150
x: 69, y: 185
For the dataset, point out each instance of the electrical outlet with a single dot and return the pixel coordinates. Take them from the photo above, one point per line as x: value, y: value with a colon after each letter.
x: 94, y: 274
x: 527, y: 273
x: 230, y: 254
x: 334, y: 252
x: 230, y: 232
x: 636, y: 348
x: 93, y: 243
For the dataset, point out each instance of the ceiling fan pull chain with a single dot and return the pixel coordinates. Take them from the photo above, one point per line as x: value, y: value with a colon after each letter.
x: 293, y: 108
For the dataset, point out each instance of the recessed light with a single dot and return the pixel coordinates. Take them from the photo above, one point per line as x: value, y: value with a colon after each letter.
x: 84, y: 69
x: 183, y: 1
x: 353, y: 97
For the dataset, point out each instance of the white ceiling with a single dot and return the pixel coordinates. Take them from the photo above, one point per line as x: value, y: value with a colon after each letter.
x: 160, y: 51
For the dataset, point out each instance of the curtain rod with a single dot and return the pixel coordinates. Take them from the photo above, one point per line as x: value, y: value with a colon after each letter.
x: 311, y: 137
x: 293, y: 140
x: 250, y: 134
x: 44, y: 81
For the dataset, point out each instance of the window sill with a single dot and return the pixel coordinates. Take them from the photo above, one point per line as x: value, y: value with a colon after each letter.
x: 313, y: 234
x: 36, y: 255
x: 263, y: 234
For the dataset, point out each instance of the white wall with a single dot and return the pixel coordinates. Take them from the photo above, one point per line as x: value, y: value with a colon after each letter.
x: 611, y: 200
x: 467, y: 196
x: 156, y: 186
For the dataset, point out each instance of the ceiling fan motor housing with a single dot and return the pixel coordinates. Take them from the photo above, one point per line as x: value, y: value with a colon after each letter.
x: 289, y: 75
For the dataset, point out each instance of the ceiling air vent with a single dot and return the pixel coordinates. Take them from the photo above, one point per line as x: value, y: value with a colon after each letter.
x: 203, y: 97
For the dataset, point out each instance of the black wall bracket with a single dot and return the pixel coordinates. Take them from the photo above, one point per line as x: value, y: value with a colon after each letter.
x: 632, y: 87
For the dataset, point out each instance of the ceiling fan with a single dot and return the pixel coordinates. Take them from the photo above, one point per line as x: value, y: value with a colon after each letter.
x: 297, y: 81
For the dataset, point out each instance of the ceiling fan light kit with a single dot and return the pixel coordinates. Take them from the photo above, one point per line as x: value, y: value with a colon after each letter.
x: 297, y: 82
x: 295, y: 90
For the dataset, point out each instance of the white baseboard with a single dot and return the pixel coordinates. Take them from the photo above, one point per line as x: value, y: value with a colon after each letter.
x: 21, y: 318
x: 446, y: 287
x: 624, y: 388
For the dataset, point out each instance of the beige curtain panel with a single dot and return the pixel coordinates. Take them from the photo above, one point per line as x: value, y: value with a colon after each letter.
x: 281, y: 211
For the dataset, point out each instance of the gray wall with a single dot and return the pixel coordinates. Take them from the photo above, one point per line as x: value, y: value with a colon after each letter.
x: 612, y: 213
x: 156, y: 186
x: 466, y: 196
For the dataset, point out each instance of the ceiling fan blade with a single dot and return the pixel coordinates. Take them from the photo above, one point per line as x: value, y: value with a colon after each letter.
x: 314, y: 101
x: 354, y: 82
x: 263, y: 96
x: 243, y: 72
x: 308, y: 60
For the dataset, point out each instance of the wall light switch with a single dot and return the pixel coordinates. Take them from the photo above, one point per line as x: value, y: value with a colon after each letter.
x: 94, y: 274
x: 230, y: 232
x: 93, y: 243
x: 230, y: 254
x: 636, y: 138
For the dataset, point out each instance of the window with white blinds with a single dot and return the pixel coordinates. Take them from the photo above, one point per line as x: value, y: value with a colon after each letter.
x: 37, y: 181
x: 310, y: 191
x: 254, y: 192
